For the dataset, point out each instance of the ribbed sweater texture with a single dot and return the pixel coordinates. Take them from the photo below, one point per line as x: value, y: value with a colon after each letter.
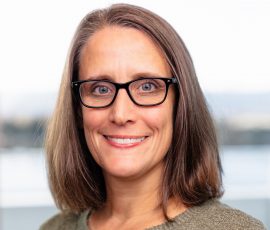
x: 211, y: 215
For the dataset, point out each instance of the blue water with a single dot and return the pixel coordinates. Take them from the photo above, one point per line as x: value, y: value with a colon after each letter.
x: 23, y: 175
x: 246, y: 171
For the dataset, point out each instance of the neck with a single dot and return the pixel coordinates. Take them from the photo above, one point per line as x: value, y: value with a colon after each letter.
x: 134, y: 203
x: 133, y: 197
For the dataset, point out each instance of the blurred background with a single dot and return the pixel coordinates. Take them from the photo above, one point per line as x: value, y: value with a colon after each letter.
x: 229, y: 43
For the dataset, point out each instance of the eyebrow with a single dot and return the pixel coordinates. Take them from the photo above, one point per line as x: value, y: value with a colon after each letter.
x: 99, y: 77
x: 133, y: 77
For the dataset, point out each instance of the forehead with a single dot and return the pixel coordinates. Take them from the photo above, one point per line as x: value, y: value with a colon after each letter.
x: 110, y: 37
x: 120, y: 48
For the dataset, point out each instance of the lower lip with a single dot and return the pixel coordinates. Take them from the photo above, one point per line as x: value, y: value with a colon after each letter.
x: 123, y: 146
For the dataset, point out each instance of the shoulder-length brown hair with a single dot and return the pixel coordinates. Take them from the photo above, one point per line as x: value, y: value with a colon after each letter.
x: 192, y: 164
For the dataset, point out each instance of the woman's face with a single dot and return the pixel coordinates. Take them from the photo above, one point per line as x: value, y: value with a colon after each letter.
x: 125, y: 139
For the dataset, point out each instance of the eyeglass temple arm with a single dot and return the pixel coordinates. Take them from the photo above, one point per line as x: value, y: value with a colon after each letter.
x: 74, y: 84
x: 174, y: 80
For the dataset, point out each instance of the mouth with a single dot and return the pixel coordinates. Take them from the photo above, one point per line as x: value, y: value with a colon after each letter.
x: 125, y: 141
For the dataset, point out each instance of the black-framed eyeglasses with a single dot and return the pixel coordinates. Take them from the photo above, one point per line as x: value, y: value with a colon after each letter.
x: 142, y: 91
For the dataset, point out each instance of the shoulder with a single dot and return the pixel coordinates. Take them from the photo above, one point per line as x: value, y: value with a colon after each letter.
x: 227, y: 216
x: 66, y: 221
x: 215, y: 215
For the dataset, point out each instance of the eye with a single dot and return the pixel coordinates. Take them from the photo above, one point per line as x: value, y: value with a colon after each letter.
x: 148, y: 86
x: 100, y: 90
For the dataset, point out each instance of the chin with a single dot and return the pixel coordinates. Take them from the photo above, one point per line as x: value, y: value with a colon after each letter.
x: 123, y: 170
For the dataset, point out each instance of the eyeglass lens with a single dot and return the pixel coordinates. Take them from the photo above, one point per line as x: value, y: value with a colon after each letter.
x: 143, y: 92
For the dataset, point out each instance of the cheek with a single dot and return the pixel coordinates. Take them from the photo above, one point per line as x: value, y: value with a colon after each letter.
x: 160, y: 119
x: 92, y: 122
x: 162, y: 115
x: 92, y: 119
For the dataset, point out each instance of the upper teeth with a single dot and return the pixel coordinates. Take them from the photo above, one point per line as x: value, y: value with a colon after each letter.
x: 126, y: 140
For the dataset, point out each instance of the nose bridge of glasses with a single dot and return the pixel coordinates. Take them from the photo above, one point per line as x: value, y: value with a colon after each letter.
x: 124, y: 86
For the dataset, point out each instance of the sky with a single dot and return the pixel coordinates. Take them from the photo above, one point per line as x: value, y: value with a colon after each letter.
x: 228, y: 41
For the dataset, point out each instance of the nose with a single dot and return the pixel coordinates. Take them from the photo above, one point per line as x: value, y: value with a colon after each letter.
x: 122, y: 109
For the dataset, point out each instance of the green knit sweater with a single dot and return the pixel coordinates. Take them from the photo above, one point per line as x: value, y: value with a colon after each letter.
x: 211, y: 215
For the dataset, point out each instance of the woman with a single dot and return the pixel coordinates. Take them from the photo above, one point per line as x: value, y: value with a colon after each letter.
x: 131, y: 144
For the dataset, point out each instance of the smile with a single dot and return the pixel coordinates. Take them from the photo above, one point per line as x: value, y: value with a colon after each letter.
x: 124, y: 141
